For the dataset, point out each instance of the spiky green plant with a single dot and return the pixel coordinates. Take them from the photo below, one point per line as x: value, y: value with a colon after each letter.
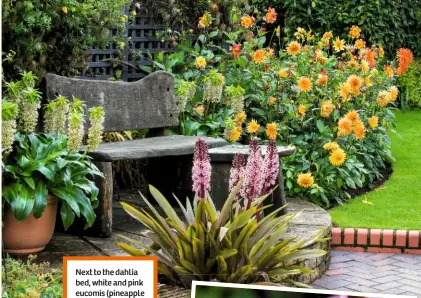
x: 13, y: 91
x: 96, y: 118
x: 228, y: 246
x: 236, y: 96
x: 62, y: 108
x: 28, y: 79
x: 28, y: 110
x: 9, y: 112
x: 50, y: 123
x: 76, y: 125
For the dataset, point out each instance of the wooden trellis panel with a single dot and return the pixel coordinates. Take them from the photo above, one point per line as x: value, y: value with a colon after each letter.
x: 140, y: 39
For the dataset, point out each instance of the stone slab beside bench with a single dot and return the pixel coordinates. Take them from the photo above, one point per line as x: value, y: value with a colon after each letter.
x: 149, y: 103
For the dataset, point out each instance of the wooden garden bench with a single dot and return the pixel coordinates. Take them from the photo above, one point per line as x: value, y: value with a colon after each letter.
x: 148, y: 103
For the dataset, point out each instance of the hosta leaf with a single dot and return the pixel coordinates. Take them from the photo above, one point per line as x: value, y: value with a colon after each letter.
x: 67, y: 215
x: 40, y: 203
x: 63, y: 193
x: 23, y: 203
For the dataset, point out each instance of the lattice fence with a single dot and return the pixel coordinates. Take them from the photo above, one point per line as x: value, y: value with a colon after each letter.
x: 140, y: 39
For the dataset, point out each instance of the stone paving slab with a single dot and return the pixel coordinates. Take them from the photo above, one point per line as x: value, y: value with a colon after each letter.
x: 394, y: 274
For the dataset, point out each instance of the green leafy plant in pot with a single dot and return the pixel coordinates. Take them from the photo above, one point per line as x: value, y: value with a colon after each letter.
x: 45, y: 171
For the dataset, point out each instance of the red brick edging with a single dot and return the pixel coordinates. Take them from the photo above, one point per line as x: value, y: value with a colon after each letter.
x: 376, y: 240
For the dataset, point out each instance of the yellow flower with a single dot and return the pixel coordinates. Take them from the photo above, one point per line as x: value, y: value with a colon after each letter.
x: 271, y: 131
x: 293, y: 48
x: 282, y: 74
x: 355, y: 31
x: 278, y: 30
x: 331, y: 146
x: 327, y: 108
x: 253, y: 126
x: 304, y: 84
x: 235, y: 134
x: 355, y: 82
x: 353, y: 64
x: 394, y: 92
x: 301, y: 110
x: 364, y: 66
x: 270, y: 52
x: 64, y: 9
x: 381, y: 51
x: 200, y: 62
x: 359, y: 131
x: 122, y: 44
x: 124, y: 19
x: 240, y: 118
x: 344, y: 127
x: 345, y: 91
x: 327, y: 35
x: 272, y: 100
x: 384, y: 98
x: 373, y: 121
x: 247, y: 21
x: 338, y: 44
x: 360, y: 44
x: 337, y: 157
x: 205, y: 20
x: 353, y: 116
x: 322, y: 80
x: 367, y: 81
x: 134, y: 12
x: 259, y: 56
x: 389, y: 70
x: 305, y: 180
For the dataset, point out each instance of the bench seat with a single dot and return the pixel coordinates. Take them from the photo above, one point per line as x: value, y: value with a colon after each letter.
x: 174, y: 145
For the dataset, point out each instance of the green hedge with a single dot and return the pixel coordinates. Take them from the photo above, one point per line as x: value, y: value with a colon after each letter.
x: 393, y: 24
x: 410, y: 85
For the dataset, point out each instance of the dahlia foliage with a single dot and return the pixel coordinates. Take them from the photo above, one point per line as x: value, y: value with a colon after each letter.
x: 307, y: 92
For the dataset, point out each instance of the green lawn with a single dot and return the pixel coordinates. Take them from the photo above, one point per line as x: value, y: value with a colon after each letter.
x: 397, y: 203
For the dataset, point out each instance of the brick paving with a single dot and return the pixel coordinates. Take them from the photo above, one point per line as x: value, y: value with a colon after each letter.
x: 398, y: 274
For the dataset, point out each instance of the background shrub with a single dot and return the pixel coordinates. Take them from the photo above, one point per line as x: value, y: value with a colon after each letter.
x: 392, y: 24
x: 42, y: 36
x: 410, y: 85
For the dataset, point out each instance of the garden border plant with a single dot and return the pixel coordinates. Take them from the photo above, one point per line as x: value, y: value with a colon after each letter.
x: 330, y: 97
x: 39, y: 167
x: 231, y: 245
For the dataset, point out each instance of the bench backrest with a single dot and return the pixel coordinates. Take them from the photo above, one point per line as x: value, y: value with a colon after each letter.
x: 147, y: 103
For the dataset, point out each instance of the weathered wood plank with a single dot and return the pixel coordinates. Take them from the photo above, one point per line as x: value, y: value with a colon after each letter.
x: 174, y: 145
x: 147, y: 103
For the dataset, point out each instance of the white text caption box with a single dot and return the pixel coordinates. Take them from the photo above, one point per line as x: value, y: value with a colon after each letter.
x: 131, y: 277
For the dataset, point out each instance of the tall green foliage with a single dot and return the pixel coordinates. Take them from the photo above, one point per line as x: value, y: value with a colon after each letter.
x: 393, y: 24
x: 42, y: 36
x: 410, y: 85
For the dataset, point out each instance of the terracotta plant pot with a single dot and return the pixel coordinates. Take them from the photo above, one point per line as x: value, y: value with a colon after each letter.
x: 31, y: 235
